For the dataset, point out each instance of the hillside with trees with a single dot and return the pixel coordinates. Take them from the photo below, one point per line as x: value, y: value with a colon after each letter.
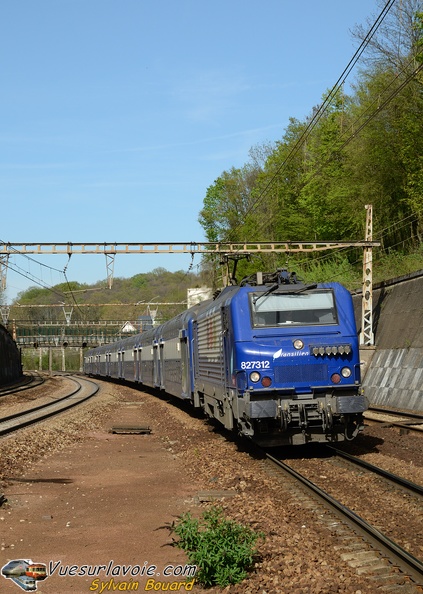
x: 128, y: 299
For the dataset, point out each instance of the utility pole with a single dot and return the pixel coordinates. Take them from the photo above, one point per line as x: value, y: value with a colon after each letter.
x: 366, y: 334
x: 4, y: 259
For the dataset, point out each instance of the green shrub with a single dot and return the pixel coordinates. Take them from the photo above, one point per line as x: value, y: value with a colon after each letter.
x: 222, y: 549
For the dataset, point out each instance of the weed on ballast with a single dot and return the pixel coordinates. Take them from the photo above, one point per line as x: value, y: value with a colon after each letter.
x: 223, y: 550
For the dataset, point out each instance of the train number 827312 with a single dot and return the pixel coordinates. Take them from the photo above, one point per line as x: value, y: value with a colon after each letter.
x: 255, y: 365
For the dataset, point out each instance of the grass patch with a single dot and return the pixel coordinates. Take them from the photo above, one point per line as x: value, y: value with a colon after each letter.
x: 223, y: 550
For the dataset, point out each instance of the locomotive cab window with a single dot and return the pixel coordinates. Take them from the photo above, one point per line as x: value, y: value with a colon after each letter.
x: 284, y: 309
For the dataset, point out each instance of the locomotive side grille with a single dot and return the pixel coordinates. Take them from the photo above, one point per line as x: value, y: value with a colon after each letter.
x: 210, y: 369
x: 210, y: 347
x: 301, y: 373
x: 210, y: 336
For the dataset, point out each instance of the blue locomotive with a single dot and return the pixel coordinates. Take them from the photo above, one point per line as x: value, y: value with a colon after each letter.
x: 273, y: 358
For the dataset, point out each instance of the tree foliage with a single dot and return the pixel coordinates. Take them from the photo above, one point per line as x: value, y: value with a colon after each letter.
x: 228, y: 204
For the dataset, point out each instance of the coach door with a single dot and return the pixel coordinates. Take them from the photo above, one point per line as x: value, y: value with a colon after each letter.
x: 156, y: 364
x: 161, y: 378
x: 137, y: 361
x: 185, y: 368
x: 121, y: 362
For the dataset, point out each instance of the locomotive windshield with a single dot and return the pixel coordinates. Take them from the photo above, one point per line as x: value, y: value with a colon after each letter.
x: 283, y: 309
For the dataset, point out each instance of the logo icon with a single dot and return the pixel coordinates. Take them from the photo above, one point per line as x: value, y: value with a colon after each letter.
x: 25, y: 573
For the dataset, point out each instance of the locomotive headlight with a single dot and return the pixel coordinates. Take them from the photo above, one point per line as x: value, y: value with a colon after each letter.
x: 298, y: 344
x: 346, y: 372
x: 255, y: 376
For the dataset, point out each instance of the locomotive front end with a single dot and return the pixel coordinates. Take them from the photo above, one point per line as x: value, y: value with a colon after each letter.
x: 297, y: 365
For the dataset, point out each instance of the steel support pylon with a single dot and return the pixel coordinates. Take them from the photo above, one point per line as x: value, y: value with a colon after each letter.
x: 366, y: 334
x: 4, y: 259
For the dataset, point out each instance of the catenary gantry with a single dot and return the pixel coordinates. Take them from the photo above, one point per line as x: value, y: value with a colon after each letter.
x: 111, y: 249
x: 192, y: 247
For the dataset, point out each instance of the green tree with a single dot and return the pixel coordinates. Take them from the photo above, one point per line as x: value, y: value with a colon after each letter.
x: 325, y: 192
x: 397, y: 38
x: 278, y: 213
x: 228, y: 204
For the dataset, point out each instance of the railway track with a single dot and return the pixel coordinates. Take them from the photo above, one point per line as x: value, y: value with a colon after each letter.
x: 28, y: 382
x: 371, y: 550
x: 389, y: 476
x: 405, y: 420
x: 83, y: 390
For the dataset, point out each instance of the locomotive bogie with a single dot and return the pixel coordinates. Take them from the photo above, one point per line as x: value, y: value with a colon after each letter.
x: 280, y: 364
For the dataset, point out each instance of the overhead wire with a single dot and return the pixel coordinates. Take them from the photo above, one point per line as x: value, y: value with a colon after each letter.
x: 376, y: 110
x: 32, y: 278
x: 379, y: 106
x: 73, y: 296
x: 17, y: 252
x: 29, y: 276
x: 18, y: 270
x: 324, y: 106
x: 380, y: 233
x: 399, y: 224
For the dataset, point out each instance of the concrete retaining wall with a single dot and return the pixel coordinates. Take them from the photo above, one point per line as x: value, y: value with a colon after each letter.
x: 393, y: 371
x: 10, y: 358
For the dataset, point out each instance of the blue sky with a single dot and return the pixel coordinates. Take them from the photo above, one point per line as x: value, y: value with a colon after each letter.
x: 117, y: 115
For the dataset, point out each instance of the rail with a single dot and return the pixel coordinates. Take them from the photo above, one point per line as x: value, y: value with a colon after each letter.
x: 84, y: 389
x: 408, y: 564
x: 389, y: 476
x: 406, y: 420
